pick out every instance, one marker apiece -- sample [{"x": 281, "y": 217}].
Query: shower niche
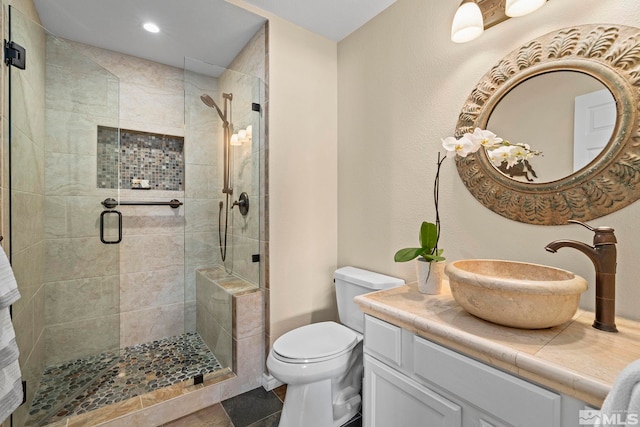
[{"x": 135, "y": 160}]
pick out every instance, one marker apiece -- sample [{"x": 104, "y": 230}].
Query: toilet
[{"x": 321, "y": 363}]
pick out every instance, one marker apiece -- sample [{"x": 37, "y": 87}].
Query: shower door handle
[{"x": 102, "y": 215}]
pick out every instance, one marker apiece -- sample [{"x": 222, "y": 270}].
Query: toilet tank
[{"x": 352, "y": 281}]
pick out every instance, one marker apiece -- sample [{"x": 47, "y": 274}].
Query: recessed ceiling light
[{"x": 151, "y": 27}]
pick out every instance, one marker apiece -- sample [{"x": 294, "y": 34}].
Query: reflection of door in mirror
[
  {"x": 595, "y": 117},
  {"x": 540, "y": 112}
]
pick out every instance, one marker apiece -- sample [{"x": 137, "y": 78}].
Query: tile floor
[{"x": 255, "y": 408}]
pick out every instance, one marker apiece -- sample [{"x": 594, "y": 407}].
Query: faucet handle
[
  {"x": 585, "y": 225},
  {"x": 604, "y": 234}
]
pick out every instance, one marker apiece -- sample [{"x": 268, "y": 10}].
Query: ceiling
[
  {"x": 333, "y": 19},
  {"x": 211, "y": 31}
]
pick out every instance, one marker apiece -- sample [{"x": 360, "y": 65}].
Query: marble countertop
[{"x": 572, "y": 358}]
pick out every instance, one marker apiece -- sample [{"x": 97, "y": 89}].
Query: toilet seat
[{"x": 315, "y": 343}]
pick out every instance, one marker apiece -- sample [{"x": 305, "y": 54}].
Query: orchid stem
[{"x": 436, "y": 195}]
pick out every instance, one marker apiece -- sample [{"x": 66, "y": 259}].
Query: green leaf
[
  {"x": 431, "y": 258},
  {"x": 407, "y": 254},
  {"x": 428, "y": 236}
]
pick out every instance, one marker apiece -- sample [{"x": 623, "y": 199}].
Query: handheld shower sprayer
[
  {"x": 209, "y": 102},
  {"x": 225, "y": 116}
]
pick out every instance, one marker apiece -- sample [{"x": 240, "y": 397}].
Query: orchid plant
[
  {"x": 429, "y": 232},
  {"x": 498, "y": 150}
]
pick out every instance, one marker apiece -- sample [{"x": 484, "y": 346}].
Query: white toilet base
[{"x": 318, "y": 409}]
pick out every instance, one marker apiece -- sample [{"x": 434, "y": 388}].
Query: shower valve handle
[{"x": 242, "y": 203}]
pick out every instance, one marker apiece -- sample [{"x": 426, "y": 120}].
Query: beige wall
[
  {"x": 302, "y": 183},
  {"x": 402, "y": 83},
  {"x": 302, "y": 177}
]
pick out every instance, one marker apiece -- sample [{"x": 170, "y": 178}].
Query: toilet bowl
[{"x": 321, "y": 363}]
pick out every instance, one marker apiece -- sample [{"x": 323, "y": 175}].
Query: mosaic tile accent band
[
  {"x": 139, "y": 156},
  {"x": 83, "y": 385}
]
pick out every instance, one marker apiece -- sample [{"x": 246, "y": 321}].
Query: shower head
[{"x": 209, "y": 102}]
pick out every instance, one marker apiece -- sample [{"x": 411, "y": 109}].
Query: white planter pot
[{"x": 430, "y": 276}]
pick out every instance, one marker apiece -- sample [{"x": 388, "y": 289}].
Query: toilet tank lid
[{"x": 367, "y": 279}]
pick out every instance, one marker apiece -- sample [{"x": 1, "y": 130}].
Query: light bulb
[
  {"x": 515, "y": 8},
  {"x": 234, "y": 139},
  {"x": 467, "y": 23},
  {"x": 242, "y": 136},
  {"x": 151, "y": 27},
  {"x": 250, "y": 132}
]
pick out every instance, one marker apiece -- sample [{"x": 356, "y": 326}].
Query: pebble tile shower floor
[{"x": 83, "y": 385}]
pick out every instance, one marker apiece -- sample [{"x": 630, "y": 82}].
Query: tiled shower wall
[
  {"x": 159, "y": 242},
  {"x": 150, "y": 261},
  {"x": 203, "y": 189},
  {"x": 247, "y": 158},
  {"x": 28, "y": 194},
  {"x": 81, "y": 274}
]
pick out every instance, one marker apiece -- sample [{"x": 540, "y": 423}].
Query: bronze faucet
[{"x": 603, "y": 256}]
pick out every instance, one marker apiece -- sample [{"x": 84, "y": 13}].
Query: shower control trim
[{"x": 242, "y": 203}]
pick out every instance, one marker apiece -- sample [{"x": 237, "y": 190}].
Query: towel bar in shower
[{"x": 111, "y": 203}]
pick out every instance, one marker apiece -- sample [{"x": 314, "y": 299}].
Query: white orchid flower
[
  {"x": 485, "y": 138},
  {"x": 519, "y": 152},
  {"x": 460, "y": 147},
  {"x": 498, "y": 150},
  {"x": 503, "y": 154}
]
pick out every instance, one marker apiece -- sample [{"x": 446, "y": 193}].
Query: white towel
[
  {"x": 10, "y": 390},
  {"x": 624, "y": 398},
  {"x": 10, "y": 378},
  {"x": 8, "y": 286}
]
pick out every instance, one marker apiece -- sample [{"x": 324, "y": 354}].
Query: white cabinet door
[
  {"x": 393, "y": 399},
  {"x": 508, "y": 398}
]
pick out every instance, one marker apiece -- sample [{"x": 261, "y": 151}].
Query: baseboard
[{"x": 269, "y": 382}]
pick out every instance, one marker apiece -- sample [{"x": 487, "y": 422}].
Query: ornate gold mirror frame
[{"x": 608, "y": 53}]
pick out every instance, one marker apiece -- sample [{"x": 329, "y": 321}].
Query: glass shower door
[
  {"x": 223, "y": 205},
  {"x": 67, "y": 321}
]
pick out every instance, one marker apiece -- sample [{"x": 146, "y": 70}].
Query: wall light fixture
[
  {"x": 243, "y": 135},
  {"x": 467, "y": 22},
  {"x": 474, "y": 16},
  {"x": 514, "y": 8}
]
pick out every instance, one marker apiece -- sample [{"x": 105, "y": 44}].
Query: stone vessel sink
[{"x": 516, "y": 294}]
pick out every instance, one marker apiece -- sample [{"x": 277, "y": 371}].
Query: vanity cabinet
[{"x": 411, "y": 381}]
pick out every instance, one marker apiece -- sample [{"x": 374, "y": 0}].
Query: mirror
[
  {"x": 600, "y": 61},
  {"x": 571, "y": 127}
]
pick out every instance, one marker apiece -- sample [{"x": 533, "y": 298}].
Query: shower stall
[{"x": 136, "y": 216}]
